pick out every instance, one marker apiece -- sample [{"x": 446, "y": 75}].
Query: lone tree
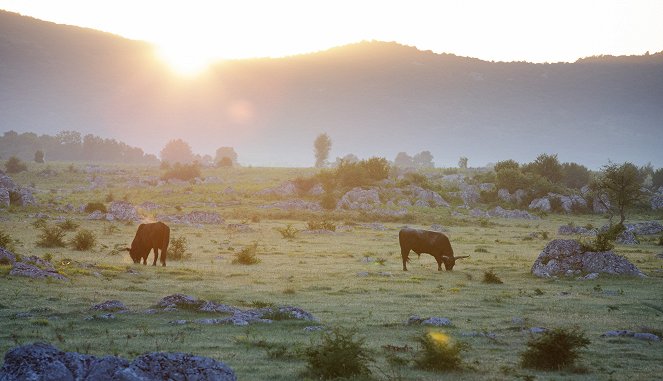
[
  {"x": 462, "y": 162},
  {"x": 322, "y": 145},
  {"x": 39, "y": 156},
  {"x": 619, "y": 188},
  {"x": 225, "y": 157},
  {"x": 177, "y": 151}
]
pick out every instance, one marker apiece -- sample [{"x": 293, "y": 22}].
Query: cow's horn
[{"x": 464, "y": 256}]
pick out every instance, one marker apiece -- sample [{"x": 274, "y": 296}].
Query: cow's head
[
  {"x": 450, "y": 262},
  {"x": 133, "y": 253}
]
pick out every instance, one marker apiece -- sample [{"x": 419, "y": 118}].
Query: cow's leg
[
  {"x": 156, "y": 255},
  {"x": 163, "y": 258},
  {"x": 145, "y": 259},
  {"x": 404, "y": 254}
]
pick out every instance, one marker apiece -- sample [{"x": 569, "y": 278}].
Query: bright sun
[{"x": 188, "y": 61}]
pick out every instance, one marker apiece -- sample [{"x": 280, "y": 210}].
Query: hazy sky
[{"x": 191, "y": 33}]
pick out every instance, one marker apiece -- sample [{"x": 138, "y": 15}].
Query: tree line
[{"x": 71, "y": 146}]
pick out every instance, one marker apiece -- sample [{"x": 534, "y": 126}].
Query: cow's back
[
  {"x": 152, "y": 235},
  {"x": 424, "y": 241}
]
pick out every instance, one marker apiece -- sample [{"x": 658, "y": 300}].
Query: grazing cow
[
  {"x": 154, "y": 236},
  {"x": 424, "y": 241}
]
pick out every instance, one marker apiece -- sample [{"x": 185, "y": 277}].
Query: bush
[
  {"x": 288, "y": 232},
  {"x": 83, "y": 240},
  {"x": 490, "y": 277},
  {"x": 338, "y": 355},
  {"x": 554, "y": 350},
  {"x": 321, "y": 225},
  {"x": 556, "y": 205},
  {"x": 604, "y": 240},
  {"x": 247, "y": 256},
  {"x": 68, "y": 225},
  {"x": 39, "y": 156},
  {"x": 304, "y": 184},
  {"x": 6, "y": 241},
  {"x": 328, "y": 201},
  {"x": 51, "y": 236},
  {"x": 660, "y": 240},
  {"x": 438, "y": 352},
  {"x": 177, "y": 250},
  {"x": 92, "y": 206},
  {"x": 15, "y": 165},
  {"x": 182, "y": 172}
]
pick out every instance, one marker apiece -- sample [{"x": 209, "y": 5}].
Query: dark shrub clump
[
  {"x": 247, "y": 256},
  {"x": 491, "y": 278},
  {"x": 93, "y": 206},
  {"x": 83, "y": 240},
  {"x": 555, "y": 349},
  {"x": 177, "y": 250},
  {"x": 338, "y": 355},
  {"x": 438, "y": 352},
  {"x": 51, "y": 236}
]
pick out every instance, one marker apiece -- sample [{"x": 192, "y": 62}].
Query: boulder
[
  {"x": 563, "y": 257},
  {"x": 507, "y": 213},
  {"x": 123, "y": 211},
  {"x": 286, "y": 189},
  {"x": 110, "y": 306},
  {"x": 570, "y": 230},
  {"x": 504, "y": 195},
  {"x": 41, "y": 361},
  {"x": 358, "y": 198},
  {"x": 542, "y": 204},
  {"x": 31, "y": 271},
  {"x": 193, "y": 218}
]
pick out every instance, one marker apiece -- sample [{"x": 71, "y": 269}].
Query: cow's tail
[{"x": 164, "y": 245}]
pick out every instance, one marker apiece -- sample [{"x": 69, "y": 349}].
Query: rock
[
  {"x": 7, "y": 257},
  {"x": 110, "y": 306},
  {"x": 375, "y": 226},
  {"x": 590, "y": 276},
  {"x": 570, "y": 230},
  {"x": 537, "y": 330},
  {"x": 656, "y": 200},
  {"x": 516, "y": 320},
  {"x": 359, "y": 199},
  {"x": 425, "y": 197},
  {"x": 542, "y": 204},
  {"x": 469, "y": 194},
  {"x": 565, "y": 257},
  {"x": 96, "y": 215},
  {"x": 31, "y": 271},
  {"x": 645, "y": 228},
  {"x": 515, "y": 213},
  {"x": 618, "y": 333},
  {"x": 438, "y": 228},
  {"x": 627, "y": 238},
  {"x": 432, "y": 321},
  {"x": 4, "y": 198},
  {"x": 504, "y": 195},
  {"x": 314, "y": 328},
  {"x": 6, "y": 182},
  {"x": 598, "y": 204},
  {"x": 40, "y": 361},
  {"x": 123, "y": 211},
  {"x": 646, "y": 336},
  {"x": 180, "y": 301},
  {"x": 193, "y": 218},
  {"x": 286, "y": 189},
  {"x": 573, "y": 202},
  {"x": 240, "y": 228}
]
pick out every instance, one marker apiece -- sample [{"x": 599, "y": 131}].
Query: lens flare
[{"x": 439, "y": 337}]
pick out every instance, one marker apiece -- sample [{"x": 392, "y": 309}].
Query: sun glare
[{"x": 186, "y": 61}]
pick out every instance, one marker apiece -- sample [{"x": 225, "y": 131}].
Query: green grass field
[{"x": 324, "y": 274}]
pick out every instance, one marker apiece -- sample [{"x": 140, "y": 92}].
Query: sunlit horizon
[{"x": 191, "y": 36}]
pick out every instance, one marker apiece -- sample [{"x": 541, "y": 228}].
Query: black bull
[
  {"x": 424, "y": 241},
  {"x": 154, "y": 236}
]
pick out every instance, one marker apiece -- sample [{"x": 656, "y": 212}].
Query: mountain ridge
[{"x": 373, "y": 98}]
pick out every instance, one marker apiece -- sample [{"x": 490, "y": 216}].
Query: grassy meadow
[{"x": 350, "y": 278}]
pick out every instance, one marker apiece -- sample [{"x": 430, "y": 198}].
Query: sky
[{"x": 191, "y": 34}]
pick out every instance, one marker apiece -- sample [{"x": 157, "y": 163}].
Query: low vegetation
[
  {"x": 84, "y": 240},
  {"x": 178, "y": 249},
  {"x": 340, "y": 354},
  {"x": 555, "y": 349},
  {"x": 247, "y": 256},
  {"x": 51, "y": 236},
  {"x": 439, "y": 352}
]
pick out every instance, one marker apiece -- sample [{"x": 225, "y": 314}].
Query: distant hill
[{"x": 372, "y": 98}]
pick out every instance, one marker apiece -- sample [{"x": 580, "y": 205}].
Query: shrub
[
  {"x": 338, "y": 355},
  {"x": 438, "y": 352},
  {"x": 660, "y": 240},
  {"x": 490, "y": 277},
  {"x": 68, "y": 225},
  {"x": 51, "y": 236},
  {"x": 182, "y": 172},
  {"x": 288, "y": 232},
  {"x": 328, "y": 201},
  {"x": 177, "y": 251},
  {"x": 247, "y": 256},
  {"x": 15, "y": 165},
  {"x": 39, "y": 156},
  {"x": 556, "y": 205},
  {"x": 6, "y": 241},
  {"x": 555, "y": 349},
  {"x": 83, "y": 240},
  {"x": 39, "y": 223},
  {"x": 304, "y": 184},
  {"x": 321, "y": 225},
  {"x": 92, "y": 206},
  {"x": 604, "y": 240}
]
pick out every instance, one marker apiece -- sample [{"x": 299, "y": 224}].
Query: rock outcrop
[
  {"x": 41, "y": 361},
  {"x": 563, "y": 257}
]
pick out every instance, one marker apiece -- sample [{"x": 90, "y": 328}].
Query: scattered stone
[
  {"x": 363, "y": 274},
  {"x": 636, "y": 335},
  {"x": 180, "y": 301},
  {"x": 110, "y": 306},
  {"x": 627, "y": 238},
  {"x": 490, "y": 335},
  {"x": 571, "y": 230},
  {"x": 542, "y": 204},
  {"x": 240, "y": 228},
  {"x": 618, "y": 333},
  {"x": 96, "y": 215},
  {"x": 590, "y": 276},
  {"x": 4, "y": 198},
  {"x": 517, "y": 320},
  {"x": 286, "y": 189},
  {"x": 193, "y": 218},
  {"x": 438, "y": 228},
  {"x": 565, "y": 257},
  {"x": 178, "y": 322},
  {"x": 645, "y": 228},
  {"x": 506, "y": 213},
  {"x": 41, "y": 361},
  {"x": 535, "y": 330},
  {"x": 314, "y": 328},
  {"x": 375, "y": 226},
  {"x": 295, "y": 204}
]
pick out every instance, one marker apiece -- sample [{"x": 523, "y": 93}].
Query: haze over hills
[{"x": 372, "y": 98}]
